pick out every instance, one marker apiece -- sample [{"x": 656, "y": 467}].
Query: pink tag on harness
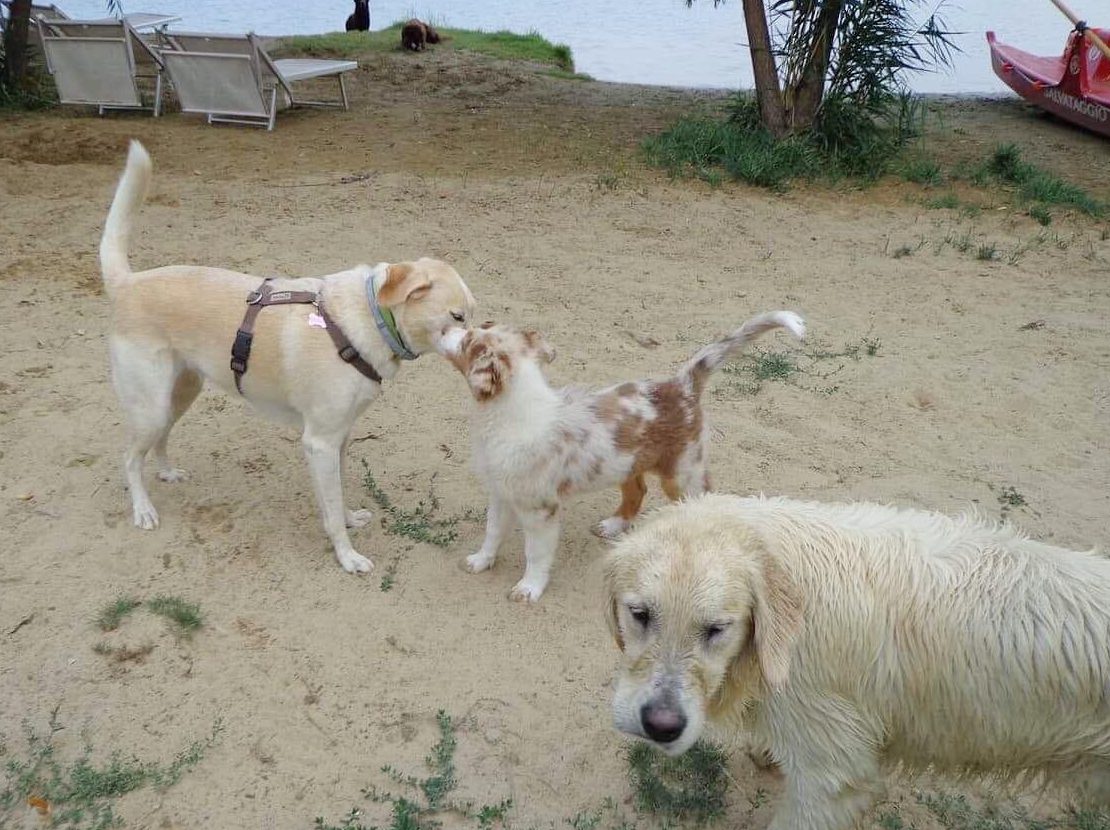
[{"x": 316, "y": 321}]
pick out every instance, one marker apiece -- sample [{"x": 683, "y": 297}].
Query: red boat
[{"x": 1075, "y": 86}]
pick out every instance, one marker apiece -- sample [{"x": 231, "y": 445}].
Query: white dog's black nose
[{"x": 662, "y": 723}]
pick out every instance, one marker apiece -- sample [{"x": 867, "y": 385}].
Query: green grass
[
  {"x": 956, "y": 812},
  {"x": 531, "y": 47},
  {"x": 987, "y": 252},
  {"x": 420, "y": 524},
  {"x": 81, "y": 794},
  {"x": 1006, "y": 166},
  {"x": 112, "y": 615},
  {"x": 1041, "y": 213},
  {"x": 921, "y": 171},
  {"x": 425, "y": 799},
  {"x": 689, "y": 788},
  {"x": 185, "y": 614},
  {"x": 948, "y": 201}
]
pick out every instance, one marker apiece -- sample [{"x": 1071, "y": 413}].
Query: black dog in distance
[{"x": 360, "y": 20}]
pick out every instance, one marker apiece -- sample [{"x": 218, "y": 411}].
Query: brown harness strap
[{"x": 264, "y": 296}]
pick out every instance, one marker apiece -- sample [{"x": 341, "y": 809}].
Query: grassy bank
[{"x": 531, "y": 47}]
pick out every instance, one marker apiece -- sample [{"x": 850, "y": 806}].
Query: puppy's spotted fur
[{"x": 534, "y": 446}]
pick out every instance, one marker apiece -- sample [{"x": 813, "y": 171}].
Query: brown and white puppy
[
  {"x": 416, "y": 33},
  {"x": 534, "y": 446},
  {"x": 173, "y": 328},
  {"x": 852, "y": 639}
]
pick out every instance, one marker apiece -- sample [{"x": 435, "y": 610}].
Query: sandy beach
[{"x": 932, "y": 377}]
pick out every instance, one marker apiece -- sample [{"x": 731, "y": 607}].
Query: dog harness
[{"x": 264, "y": 296}]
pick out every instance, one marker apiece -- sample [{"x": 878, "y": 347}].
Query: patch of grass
[
  {"x": 112, "y": 614},
  {"x": 419, "y": 524},
  {"x": 774, "y": 366},
  {"x": 748, "y": 374},
  {"x": 987, "y": 252},
  {"x": 531, "y": 47},
  {"x": 948, "y": 201},
  {"x": 690, "y": 787},
  {"x": 1033, "y": 184},
  {"x": 80, "y": 795},
  {"x": 1009, "y": 498},
  {"x": 921, "y": 171},
  {"x": 1041, "y": 214},
  {"x": 389, "y": 578},
  {"x": 957, "y": 812},
  {"x": 902, "y": 251},
  {"x": 428, "y": 796},
  {"x": 185, "y": 614}
]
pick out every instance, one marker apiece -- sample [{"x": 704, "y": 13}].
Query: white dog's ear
[
  {"x": 614, "y": 622},
  {"x": 777, "y": 619},
  {"x": 544, "y": 350},
  {"x": 403, "y": 283},
  {"x": 486, "y": 371}
]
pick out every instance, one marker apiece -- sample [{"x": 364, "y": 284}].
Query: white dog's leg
[
  {"x": 323, "y": 455},
  {"x": 831, "y": 766},
  {"x": 499, "y": 521},
  {"x": 353, "y": 518},
  {"x": 541, "y": 538},
  {"x": 144, "y": 377},
  {"x": 185, "y": 391}
]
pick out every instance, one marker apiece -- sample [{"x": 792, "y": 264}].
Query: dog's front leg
[
  {"x": 361, "y": 516},
  {"x": 499, "y": 521},
  {"x": 323, "y": 453},
  {"x": 541, "y": 538}
]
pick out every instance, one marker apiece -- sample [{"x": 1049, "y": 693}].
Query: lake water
[{"x": 635, "y": 41}]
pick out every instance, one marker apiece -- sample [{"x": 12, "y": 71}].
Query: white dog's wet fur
[
  {"x": 535, "y": 446},
  {"x": 846, "y": 638},
  {"x": 172, "y": 329}
]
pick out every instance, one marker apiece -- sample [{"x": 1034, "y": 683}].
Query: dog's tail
[
  {"x": 129, "y": 196},
  {"x": 709, "y": 358}
]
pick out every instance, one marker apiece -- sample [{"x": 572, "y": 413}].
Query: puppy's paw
[
  {"x": 611, "y": 528},
  {"x": 478, "y": 562},
  {"x": 146, "y": 517},
  {"x": 172, "y": 475},
  {"x": 359, "y": 518},
  {"x": 525, "y": 591},
  {"x": 354, "y": 563}
]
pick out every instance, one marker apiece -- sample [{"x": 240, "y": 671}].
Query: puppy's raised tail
[
  {"x": 709, "y": 358},
  {"x": 130, "y": 194}
]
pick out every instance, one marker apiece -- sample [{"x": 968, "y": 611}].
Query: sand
[{"x": 987, "y": 389}]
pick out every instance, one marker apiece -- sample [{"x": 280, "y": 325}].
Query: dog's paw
[
  {"x": 525, "y": 591},
  {"x": 172, "y": 475},
  {"x": 146, "y": 517},
  {"x": 611, "y": 528},
  {"x": 359, "y": 518},
  {"x": 354, "y": 563},
  {"x": 478, "y": 562}
]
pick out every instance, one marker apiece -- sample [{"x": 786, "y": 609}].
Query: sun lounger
[
  {"x": 100, "y": 63},
  {"x": 231, "y": 78}
]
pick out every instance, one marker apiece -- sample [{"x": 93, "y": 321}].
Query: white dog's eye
[
  {"x": 712, "y": 633},
  {"x": 641, "y": 616},
  {"x": 458, "y": 316}
]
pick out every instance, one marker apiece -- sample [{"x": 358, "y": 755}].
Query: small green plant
[
  {"x": 185, "y": 614},
  {"x": 902, "y": 251},
  {"x": 690, "y": 787},
  {"x": 419, "y": 524},
  {"x": 949, "y": 201},
  {"x": 1033, "y": 184},
  {"x": 428, "y": 796},
  {"x": 1009, "y": 498},
  {"x": 112, "y": 614},
  {"x": 987, "y": 253},
  {"x": 1042, "y": 214},
  {"x": 389, "y": 578},
  {"x": 922, "y": 171},
  {"x": 81, "y": 795}
]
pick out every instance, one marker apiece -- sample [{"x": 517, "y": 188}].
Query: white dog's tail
[
  {"x": 710, "y": 358},
  {"x": 130, "y": 194}
]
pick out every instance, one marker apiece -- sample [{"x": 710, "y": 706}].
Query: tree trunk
[
  {"x": 15, "y": 44},
  {"x": 767, "y": 89},
  {"x": 806, "y": 97}
]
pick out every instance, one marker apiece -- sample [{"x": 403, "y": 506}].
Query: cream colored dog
[
  {"x": 846, "y": 637},
  {"x": 173, "y": 328},
  {"x": 535, "y": 446}
]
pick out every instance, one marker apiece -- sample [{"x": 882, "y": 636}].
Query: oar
[{"x": 1091, "y": 36}]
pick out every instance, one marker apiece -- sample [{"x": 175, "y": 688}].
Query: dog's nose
[{"x": 662, "y": 723}]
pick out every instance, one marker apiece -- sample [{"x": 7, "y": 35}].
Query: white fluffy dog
[
  {"x": 846, "y": 637},
  {"x": 535, "y": 446}
]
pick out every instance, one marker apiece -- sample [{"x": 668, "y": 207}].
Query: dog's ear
[
  {"x": 486, "y": 370},
  {"x": 777, "y": 620},
  {"x": 614, "y": 622},
  {"x": 403, "y": 283},
  {"x": 536, "y": 342}
]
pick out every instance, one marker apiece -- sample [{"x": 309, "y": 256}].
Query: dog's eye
[
  {"x": 713, "y": 632},
  {"x": 641, "y": 616},
  {"x": 458, "y": 316}
]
